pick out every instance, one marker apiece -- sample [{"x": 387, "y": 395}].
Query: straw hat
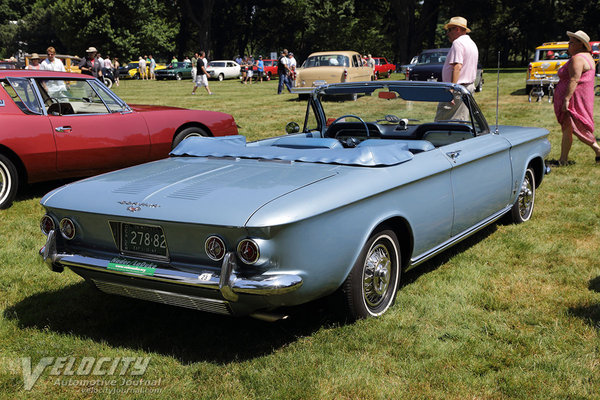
[
  {"x": 457, "y": 21},
  {"x": 34, "y": 56},
  {"x": 91, "y": 50},
  {"x": 582, "y": 37}
]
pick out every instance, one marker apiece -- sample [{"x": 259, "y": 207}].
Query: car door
[
  {"x": 93, "y": 130},
  {"x": 481, "y": 179}
]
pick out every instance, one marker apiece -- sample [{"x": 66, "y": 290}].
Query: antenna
[{"x": 497, "y": 92}]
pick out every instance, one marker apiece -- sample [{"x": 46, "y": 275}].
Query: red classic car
[
  {"x": 383, "y": 67},
  {"x": 270, "y": 67},
  {"x": 59, "y": 125}
]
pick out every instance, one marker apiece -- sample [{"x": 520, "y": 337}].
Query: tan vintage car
[{"x": 327, "y": 67}]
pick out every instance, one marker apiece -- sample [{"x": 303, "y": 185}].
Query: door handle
[
  {"x": 63, "y": 129},
  {"x": 453, "y": 155}
]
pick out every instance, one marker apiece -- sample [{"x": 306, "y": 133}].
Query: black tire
[
  {"x": 136, "y": 76},
  {"x": 370, "y": 288},
  {"x": 178, "y": 76},
  {"x": 9, "y": 182},
  {"x": 303, "y": 96},
  {"x": 188, "y": 132},
  {"x": 389, "y": 73},
  {"x": 522, "y": 209},
  {"x": 528, "y": 88},
  {"x": 221, "y": 77}
]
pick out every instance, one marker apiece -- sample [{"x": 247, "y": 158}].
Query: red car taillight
[
  {"x": 248, "y": 251},
  {"x": 67, "y": 228},
  {"x": 345, "y": 75},
  {"x": 47, "y": 224}
]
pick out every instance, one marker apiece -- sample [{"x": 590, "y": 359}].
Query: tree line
[{"x": 396, "y": 29}]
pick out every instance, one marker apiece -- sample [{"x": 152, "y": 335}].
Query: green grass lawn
[{"x": 512, "y": 312}]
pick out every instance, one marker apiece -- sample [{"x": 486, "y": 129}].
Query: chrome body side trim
[{"x": 461, "y": 236}]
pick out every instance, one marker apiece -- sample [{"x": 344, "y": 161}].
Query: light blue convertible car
[{"x": 345, "y": 204}]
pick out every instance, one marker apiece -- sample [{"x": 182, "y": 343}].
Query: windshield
[
  {"x": 395, "y": 109},
  {"x": 327, "y": 60},
  {"x": 437, "y": 57}
]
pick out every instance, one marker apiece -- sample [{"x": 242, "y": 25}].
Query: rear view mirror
[{"x": 292, "y": 127}]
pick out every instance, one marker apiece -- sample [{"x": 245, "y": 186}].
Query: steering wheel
[{"x": 353, "y": 116}]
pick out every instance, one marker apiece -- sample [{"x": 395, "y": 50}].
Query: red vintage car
[
  {"x": 61, "y": 125},
  {"x": 383, "y": 67},
  {"x": 270, "y": 69}
]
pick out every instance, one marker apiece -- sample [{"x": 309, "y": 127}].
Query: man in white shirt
[
  {"x": 460, "y": 67},
  {"x": 51, "y": 63}
]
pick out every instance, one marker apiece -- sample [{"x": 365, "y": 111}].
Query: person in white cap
[
  {"x": 574, "y": 97},
  {"x": 90, "y": 64},
  {"x": 460, "y": 67}
]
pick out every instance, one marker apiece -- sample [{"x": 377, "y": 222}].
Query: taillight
[
  {"x": 67, "y": 228},
  {"x": 345, "y": 75},
  {"x": 47, "y": 224},
  {"x": 248, "y": 251},
  {"x": 214, "y": 248}
]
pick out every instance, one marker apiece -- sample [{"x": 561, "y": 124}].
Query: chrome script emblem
[{"x": 135, "y": 206}]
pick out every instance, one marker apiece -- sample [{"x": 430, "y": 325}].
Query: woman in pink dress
[{"x": 574, "y": 96}]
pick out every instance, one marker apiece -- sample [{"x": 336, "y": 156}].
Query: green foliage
[{"x": 396, "y": 29}]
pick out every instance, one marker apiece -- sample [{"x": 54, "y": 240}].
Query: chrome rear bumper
[{"x": 227, "y": 282}]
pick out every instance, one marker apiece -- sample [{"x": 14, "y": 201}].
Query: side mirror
[{"x": 292, "y": 127}]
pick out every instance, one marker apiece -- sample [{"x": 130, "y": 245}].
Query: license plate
[{"x": 143, "y": 240}]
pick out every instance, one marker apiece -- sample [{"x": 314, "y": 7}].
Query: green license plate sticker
[{"x": 132, "y": 267}]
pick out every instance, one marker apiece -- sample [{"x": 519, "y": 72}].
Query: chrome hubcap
[
  {"x": 376, "y": 276},
  {"x": 526, "y": 197}
]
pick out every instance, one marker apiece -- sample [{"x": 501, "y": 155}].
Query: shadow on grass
[
  {"x": 187, "y": 335},
  {"x": 35, "y": 190},
  {"x": 519, "y": 92},
  {"x": 589, "y": 313},
  {"x": 594, "y": 284}
]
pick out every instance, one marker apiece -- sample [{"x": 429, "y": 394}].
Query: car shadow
[
  {"x": 35, "y": 190},
  {"x": 590, "y": 314},
  {"x": 434, "y": 263},
  {"x": 187, "y": 335},
  {"x": 519, "y": 92}
]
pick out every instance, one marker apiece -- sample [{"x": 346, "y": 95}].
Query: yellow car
[
  {"x": 548, "y": 58},
  {"x": 135, "y": 74},
  {"x": 330, "y": 67},
  {"x": 130, "y": 70}
]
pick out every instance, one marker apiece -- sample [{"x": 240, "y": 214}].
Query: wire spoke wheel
[
  {"x": 376, "y": 276},
  {"x": 370, "y": 288}
]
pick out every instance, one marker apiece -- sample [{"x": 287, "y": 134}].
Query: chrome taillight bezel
[
  {"x": 62, "y": 228},
  {"x": 209, "y": 247},
  {"x": 46, "y": 217},
  {"x": 242, "y": 251}
]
